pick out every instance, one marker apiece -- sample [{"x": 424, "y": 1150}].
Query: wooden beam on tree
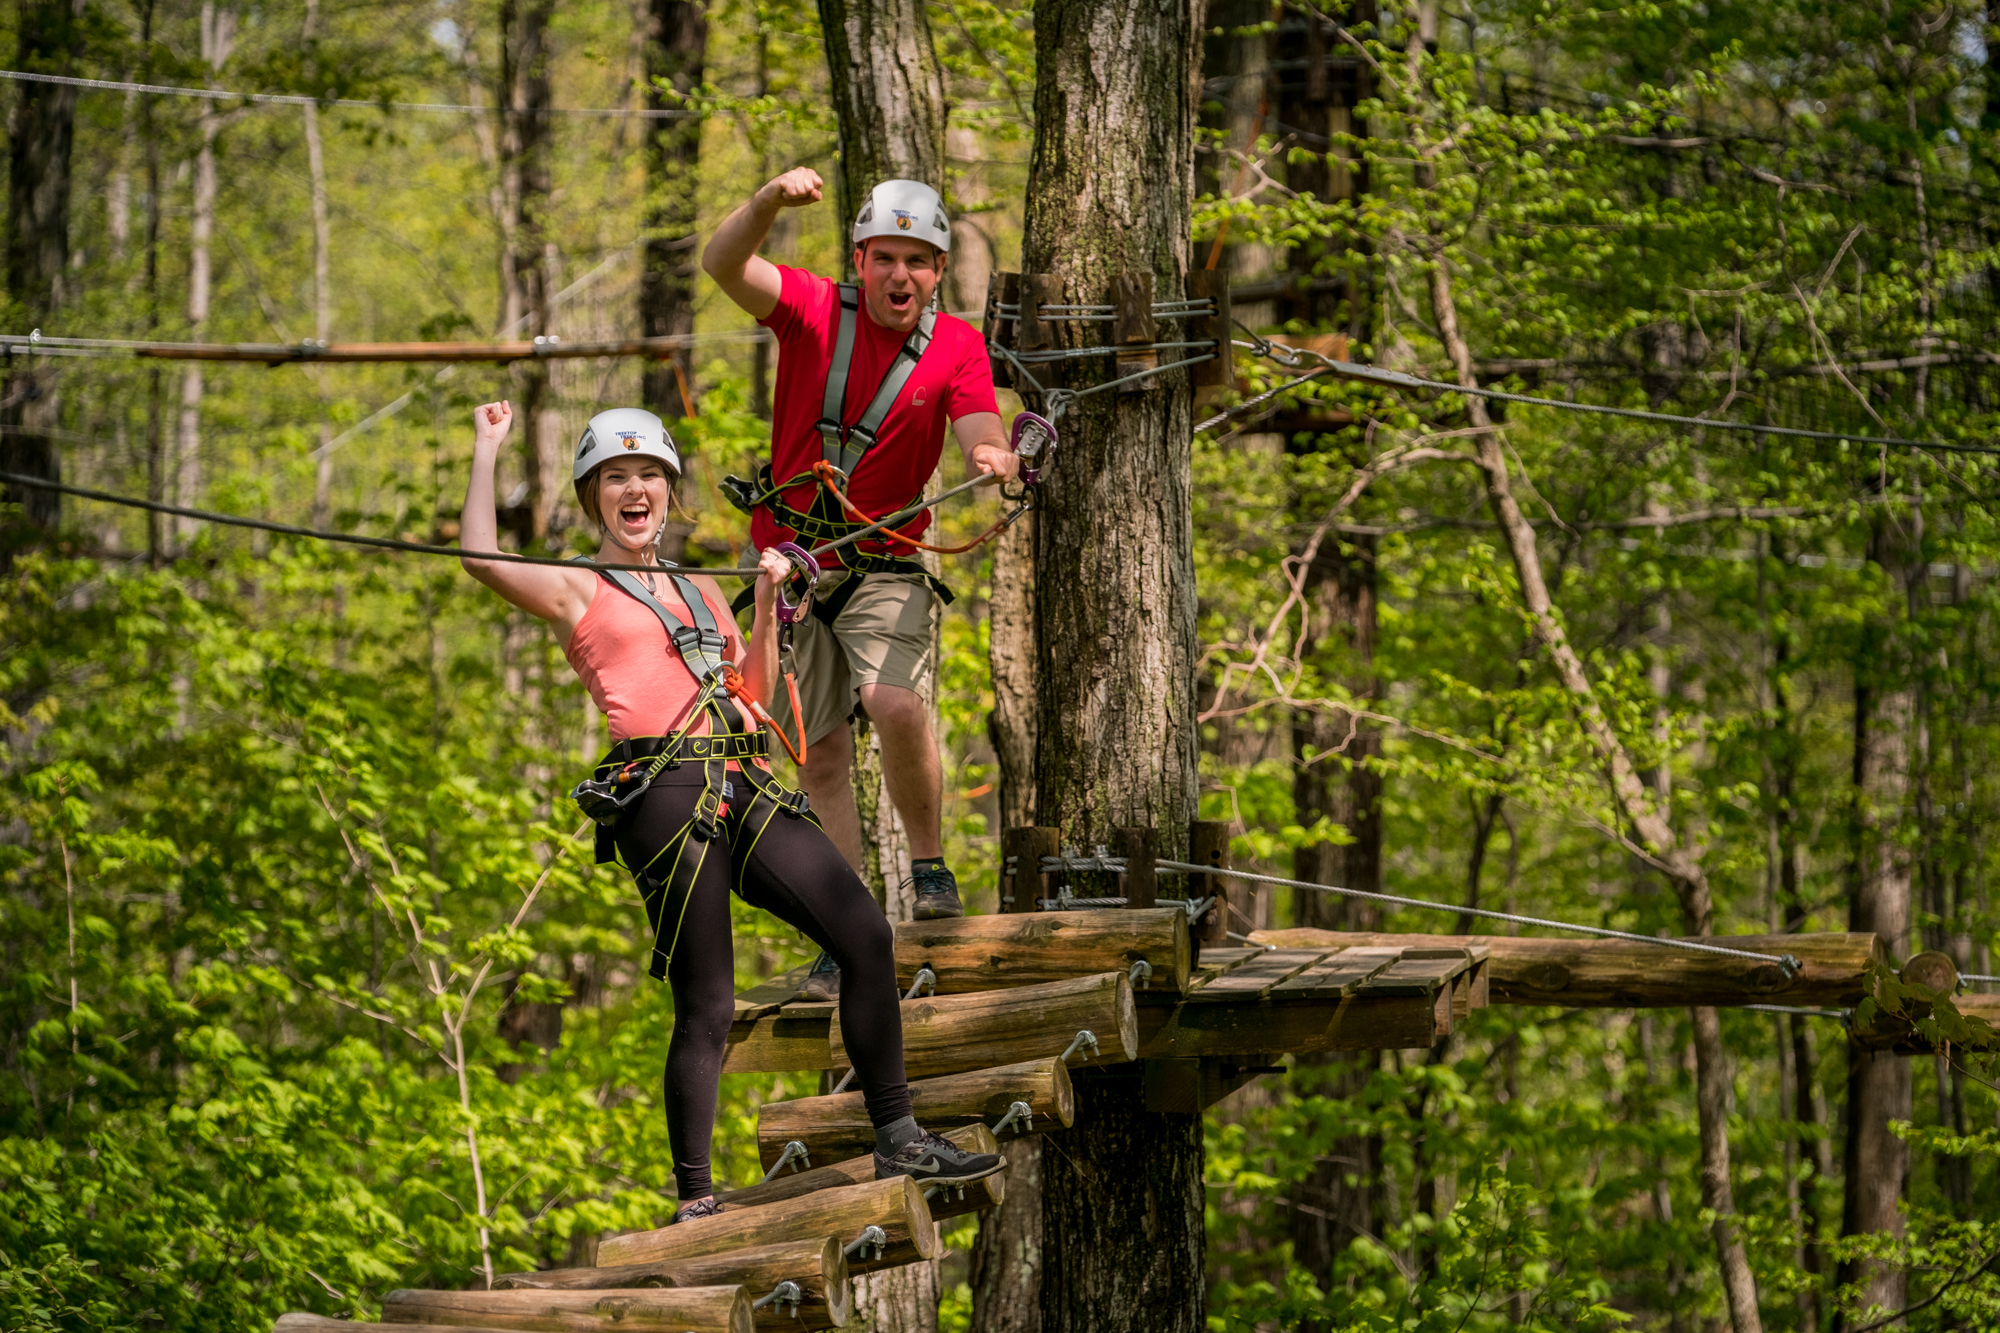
[
  {"x": 1022, "y": 884},
  {"x": 976, "y": 953},
  {"x": 1301, "y": 1027},
  {"x": 1141, "y": 848},
  {"x": 1208, "y": 845},
  {"x": 857, "y": 1170},
  {"x": 818, "y": 1267},
  {"x": 837, "y": 1125},
  {"x": 1623, "y": 974},
  {"x": 653, "y": 1309},
  {"x": 777, "y": 1043},
  {"x": 895, "y": 1205},
  {"x": 947, "y": 1034}
]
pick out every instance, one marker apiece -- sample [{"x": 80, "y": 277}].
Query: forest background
[{"x": 310, "y": 989}]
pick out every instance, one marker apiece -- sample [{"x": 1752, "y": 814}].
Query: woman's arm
[
  {"x": 559, "y": 596},
  {"x": 757, "y": 658}
]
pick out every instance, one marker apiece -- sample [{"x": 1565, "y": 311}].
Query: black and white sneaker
[
  {"x": 929, "y": 1159},
  {"x": 937, "y": 894},
  {"x": 822, "y": 984},
  {"x": 694, "y": 1212}
]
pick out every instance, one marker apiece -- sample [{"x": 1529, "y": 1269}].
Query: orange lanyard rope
[{"x": 826, "y": 472}]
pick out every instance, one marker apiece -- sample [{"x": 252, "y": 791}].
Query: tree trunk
[
  {"x": 1876, "y": 1163},
  {"x": 676, "y": 50},
  {"x": 322, "y": 289},
  {"x": 1007, "y": 1253},
  {"x": 1110, "y": 193},
  {"x": 1341, "y": 786},
  {"x": 40, "y": 134},
  {"x": 527, "y": 249},
  {"x": 218, "y": 40},
  {"x": 888, "y": 94}
]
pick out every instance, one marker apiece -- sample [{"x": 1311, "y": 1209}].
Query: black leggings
[{"x": 797, "y": 875}]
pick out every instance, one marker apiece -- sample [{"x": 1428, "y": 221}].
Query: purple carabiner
[
  {"x": 1034, "y": 440},
  {"x": 802, "y": 560}
]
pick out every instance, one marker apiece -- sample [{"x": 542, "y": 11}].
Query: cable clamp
[
  {"x": 785, "y": 1293},
  {"x": 871, "y": 1238},
  {"x": 1020, "y": 1111},
  {"x": 1791, "y": 964},
  {"x": 925, "y": 978},
  {"x": 545, "y": 343},
  {"x": 1084, "y": 1038},
  {"x": 794, "y": 1150},
  {"x": 1142, "y": 972}
]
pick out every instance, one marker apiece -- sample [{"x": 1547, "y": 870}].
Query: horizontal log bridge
[
  {"x": 948, "y": 1034},
  {"x": 669, "y": 1310},
  {"x": 838, "y": 1126},
  {"x": 818, "y": 1267},
  {"x": 896, "y": 1206},
  {"x": 1622, "y": 974},
  {"x": 757, "y": 1269},
  {"x": 977, "y": 953},
  {"x": 977, "y": 1197}
]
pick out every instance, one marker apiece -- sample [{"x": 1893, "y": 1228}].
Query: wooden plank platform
[{"x": 1240, "y": 1002}]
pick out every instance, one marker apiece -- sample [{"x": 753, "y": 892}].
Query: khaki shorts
[{"x": 883, "y": 637}]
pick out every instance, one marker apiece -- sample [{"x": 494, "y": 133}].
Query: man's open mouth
[{"x": 901, "y": 300}]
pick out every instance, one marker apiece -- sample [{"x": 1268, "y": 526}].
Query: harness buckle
[
  {"x": 830, "y": 430},
  {"x": 795, "y": 804}
]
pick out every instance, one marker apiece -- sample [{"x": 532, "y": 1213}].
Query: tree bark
[
  {"x": 1876, "y": 1163},
  {"x": 676, "y": 53},
  {"x": 527, "y": 252},
  {"x": 888, "y": 94},
  {"x": 1110, "y": 193},
  {"x": 41, "y": 133}
]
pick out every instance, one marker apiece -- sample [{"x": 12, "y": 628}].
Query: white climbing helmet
[
  {"x": 904, "y": 208},
  {"x": 625, "y": 432}
]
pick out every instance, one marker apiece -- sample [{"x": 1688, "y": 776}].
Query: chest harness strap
[
  {"x": 622, "y": 777},
  {"x": 844, "y": 447}
]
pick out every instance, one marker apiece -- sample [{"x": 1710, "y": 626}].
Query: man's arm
[
  {"x": 731, "y": 255},
  {"x": 985, "y": 445}
]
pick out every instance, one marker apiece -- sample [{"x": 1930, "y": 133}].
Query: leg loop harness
[{"x": 629, "y": 769}]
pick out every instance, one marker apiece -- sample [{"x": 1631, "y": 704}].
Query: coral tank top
[{"x": 621, "y": 653}]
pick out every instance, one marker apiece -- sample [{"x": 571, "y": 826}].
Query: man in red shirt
[{"x": 908, "y": 371}]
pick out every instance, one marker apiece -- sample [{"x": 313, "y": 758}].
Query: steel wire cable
[
  {"x": 301, "y": 99},
  {"x": 1786, "y": 961},
  {"x": 428, "y": 548},
  {"x": 1397, "y": 379}
]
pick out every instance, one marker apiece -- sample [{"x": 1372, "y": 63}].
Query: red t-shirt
[{"x": 952, "y": 380}]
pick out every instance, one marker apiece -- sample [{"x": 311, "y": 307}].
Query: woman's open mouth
[{"x": 635, "y": 516}]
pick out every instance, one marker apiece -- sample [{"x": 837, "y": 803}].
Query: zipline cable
[
  {"x": 1396, "y": 379},
  {"x": 1790, "y": 964},
  {"x": 300, "y": 99},
  {"x": 459, "y": 552}
]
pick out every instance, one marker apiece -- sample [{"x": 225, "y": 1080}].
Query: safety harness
[
  {"x": 842, "y": 449},
  {"x": 625, "y": 773}
]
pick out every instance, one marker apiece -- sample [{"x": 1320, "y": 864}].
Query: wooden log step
[
  {"x": 896, "y": 1206},
  {"x": 949, "y": 1034},
  {"x": 976, "y": 953},
  {"x": 1623, "y": 974},
  {"x": 768, "y": 996},
  {"x": 757, "y": 1269},
  {"x": 666, "y": 1310},
  {"x": 1255, "y": 976},
  {"x": 944, "y": 1204},
  {"x": 779, "y": 1043},
  {"x": 837, "y": 1126}
]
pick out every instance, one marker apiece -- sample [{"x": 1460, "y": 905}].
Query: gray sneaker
[
  {"x": 937, "y": 894},
  {"x": 929, "y": 1159},
  {"x": 694, "y": 1212},
  {"x": 822, "y": 984}
]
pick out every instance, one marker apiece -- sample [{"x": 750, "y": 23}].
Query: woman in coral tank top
[{"x": 661, "y": 655}]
